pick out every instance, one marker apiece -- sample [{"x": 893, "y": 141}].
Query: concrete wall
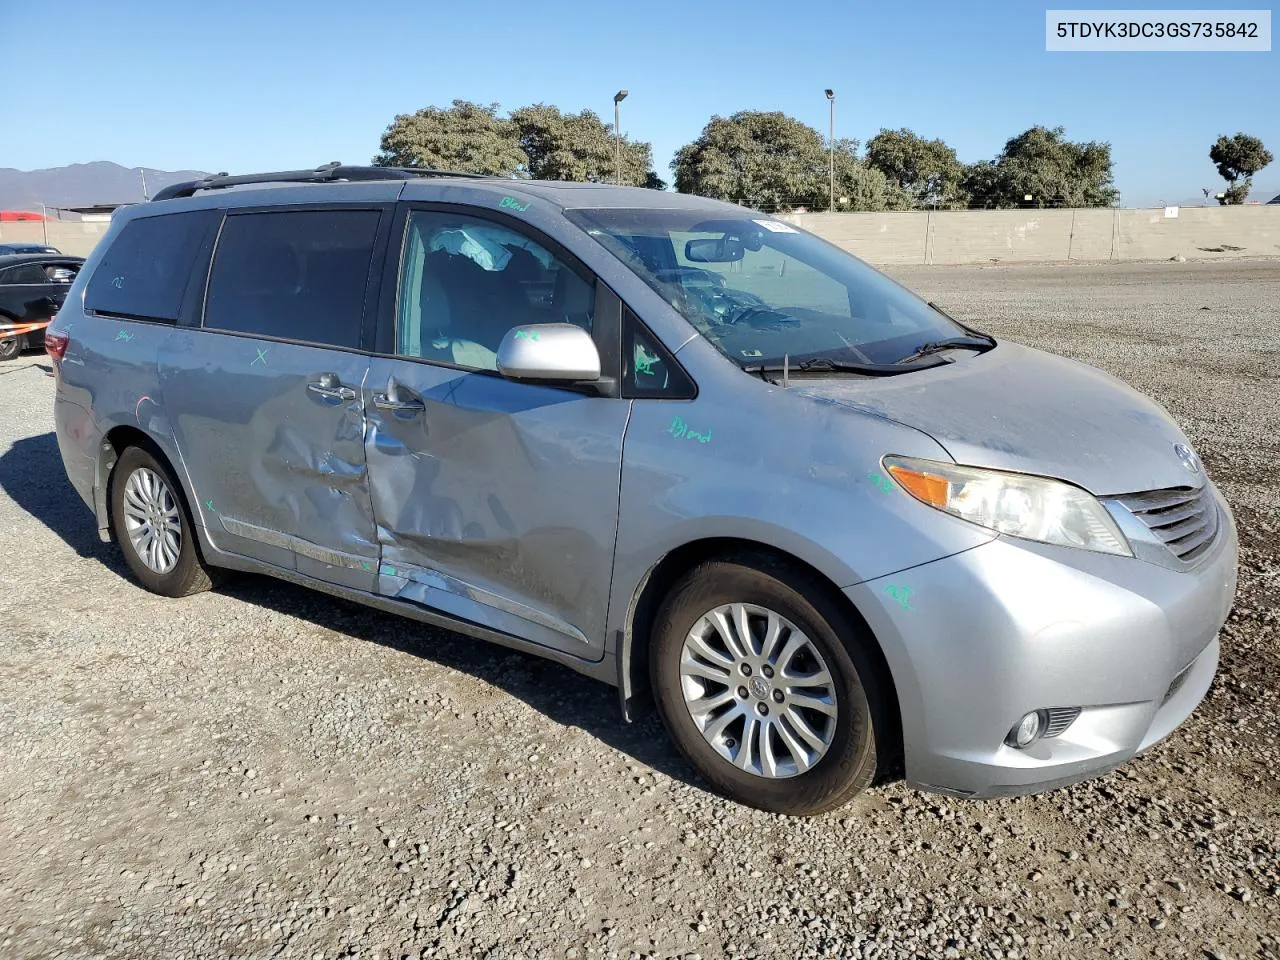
[
  {"x": 70, "y": 236},
  {"x": 1028, "y": 236},
  {"x": 963, "y": 236}
]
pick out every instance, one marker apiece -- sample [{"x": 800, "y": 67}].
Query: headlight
[{"x": 1035, "y": 508}]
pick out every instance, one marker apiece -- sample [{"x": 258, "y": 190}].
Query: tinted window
[
  {"x": 299, "y": 275},
  {"x": 23, "y": 273},
  {"x": 465, "y": 282},
  {"x": 145, "y": 271}
]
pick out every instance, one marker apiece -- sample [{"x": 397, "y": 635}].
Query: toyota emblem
[{"x": 1187, "y": 456}]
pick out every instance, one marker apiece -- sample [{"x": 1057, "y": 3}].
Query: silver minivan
[{"x": 677, "y": 445}]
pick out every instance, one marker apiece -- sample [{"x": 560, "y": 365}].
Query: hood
[{"x": 1015, "y": 408}]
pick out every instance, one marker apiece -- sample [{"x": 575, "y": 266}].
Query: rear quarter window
[{"x": 145, "y": 272}]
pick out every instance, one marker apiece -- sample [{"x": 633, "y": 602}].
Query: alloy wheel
[
  {"x": 758, "y": 690},
  {"x": 151, "y": 519}
]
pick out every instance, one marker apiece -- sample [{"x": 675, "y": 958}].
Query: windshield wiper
[
  {"x": 962, "y": 325},
  {"x": 828, "y": 365},
  {"x": 978, "y": 342}
]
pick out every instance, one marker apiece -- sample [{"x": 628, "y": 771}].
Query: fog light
[{"x": 1026, "y": 731}]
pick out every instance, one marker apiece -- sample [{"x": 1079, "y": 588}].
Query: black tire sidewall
[
  {"x": 849, "y": 763},
  {"x": 177, "y": 582},
  {"x": 11, "y": 348}
]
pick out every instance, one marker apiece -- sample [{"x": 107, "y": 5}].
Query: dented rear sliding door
[
  {"x": 278, "y": 468},
  {"x": 267, "y": 400}
]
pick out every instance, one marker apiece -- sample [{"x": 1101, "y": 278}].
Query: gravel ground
[{"x": 263, "y": 771}]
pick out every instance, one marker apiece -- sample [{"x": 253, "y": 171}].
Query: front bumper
[{"x": 978, "y": 639}]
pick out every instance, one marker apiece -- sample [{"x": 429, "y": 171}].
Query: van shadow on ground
[{"x": 31, "y": 474}]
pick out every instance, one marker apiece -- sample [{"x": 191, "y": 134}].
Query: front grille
[{"x": 1184, "y": 518}]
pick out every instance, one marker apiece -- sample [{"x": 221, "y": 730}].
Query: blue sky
[{"x": 244, "y": 86}]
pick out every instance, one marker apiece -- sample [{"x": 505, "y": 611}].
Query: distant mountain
[{"x": 82, "y": 184}]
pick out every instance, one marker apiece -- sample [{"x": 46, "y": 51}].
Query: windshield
[{"x": 759, "y": 289}]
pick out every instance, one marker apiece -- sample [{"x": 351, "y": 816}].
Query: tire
[
  {"x": 175, "y": 568},
  {"x": 781, "y": 779},
  {"x": 11, "y": 348}
]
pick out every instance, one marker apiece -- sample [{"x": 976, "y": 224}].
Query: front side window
[
  {"x": 145, "y": 271},
  {"x": 293, "y": 275},
  {"x": 465, "y": 282},
  {"x": 761, "y": 290}
]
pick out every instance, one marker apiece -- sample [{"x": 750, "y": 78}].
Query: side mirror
[
  {"x": 548, "y": 352},
  {"x": 710, "y": 250}
]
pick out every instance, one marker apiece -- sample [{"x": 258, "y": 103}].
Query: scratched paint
[
  {"x": 136, "y": 409},
  {"x": 526, "y": 334},
  {"x": 209, "y": 505},
  {"x": 125, "y": 335},
  {"x": 511, "y": 203},
  {"x": 681, "y": 431},
  {"x": 261, "y": 357},
  {"x": 900, "y": 594}
]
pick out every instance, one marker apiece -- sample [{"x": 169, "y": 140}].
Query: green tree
[
  {"x": 1238, "y": 159},
  {"x": 467, "y": 136},
  {"x": 577, "y": 146},
  {"x": 927, "y": 170},
  {"x": 771, "y": 161},
  {"x": 1043, "y": 164}
]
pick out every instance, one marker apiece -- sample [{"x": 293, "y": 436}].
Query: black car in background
[{"x": 32, "y": 288}]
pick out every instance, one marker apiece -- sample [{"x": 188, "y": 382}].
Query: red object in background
[{"x": 17, "y": 216}]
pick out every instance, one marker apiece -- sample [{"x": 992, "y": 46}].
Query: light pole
[
  {"x": 831, "y": 137},
  {"x": 617, "y": 137}
]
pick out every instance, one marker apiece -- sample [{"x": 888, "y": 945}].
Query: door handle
[
  {"x": 398, "y": 400},
  {"x": 331, "y": 388},
  {"x": 407, "y": 406}
]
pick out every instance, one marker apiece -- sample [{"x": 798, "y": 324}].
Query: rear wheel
[
  {"x": 153, "y": 526},
  {"x": 9, "y": 349},
  {"x": 761, "y": 682}
]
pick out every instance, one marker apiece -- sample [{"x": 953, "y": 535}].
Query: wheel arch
[
  {"x": 633, "y": 654},
  {"x": 114, "y": 442}
]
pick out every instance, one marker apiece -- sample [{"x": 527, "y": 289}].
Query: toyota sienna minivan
[{"x": 674, "y": 444}]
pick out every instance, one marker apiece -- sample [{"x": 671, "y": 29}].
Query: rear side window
[
  {"x": 22, "y": 274},
  {"x": 145, "y": 271},
  {"x": 296, "y": 275}
]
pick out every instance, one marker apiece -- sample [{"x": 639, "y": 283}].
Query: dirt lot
[{"x": 263, "y": 772}]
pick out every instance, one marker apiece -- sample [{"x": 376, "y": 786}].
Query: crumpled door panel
[{"x": 498, "y": 501}]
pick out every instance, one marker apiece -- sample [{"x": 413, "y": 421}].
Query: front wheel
[
  {"x": 10, "y": 348},
  {"x": 761, "y": 682}
]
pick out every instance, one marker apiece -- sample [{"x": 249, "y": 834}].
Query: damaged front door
[
  {"x": 267, "y": 402},
  {"x": 496, "y": 502}
]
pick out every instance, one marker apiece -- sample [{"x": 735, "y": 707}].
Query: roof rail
[{"x": 327, "y": 173}]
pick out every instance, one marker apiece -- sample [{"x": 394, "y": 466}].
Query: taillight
[{"x": 55, "y": 343}]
